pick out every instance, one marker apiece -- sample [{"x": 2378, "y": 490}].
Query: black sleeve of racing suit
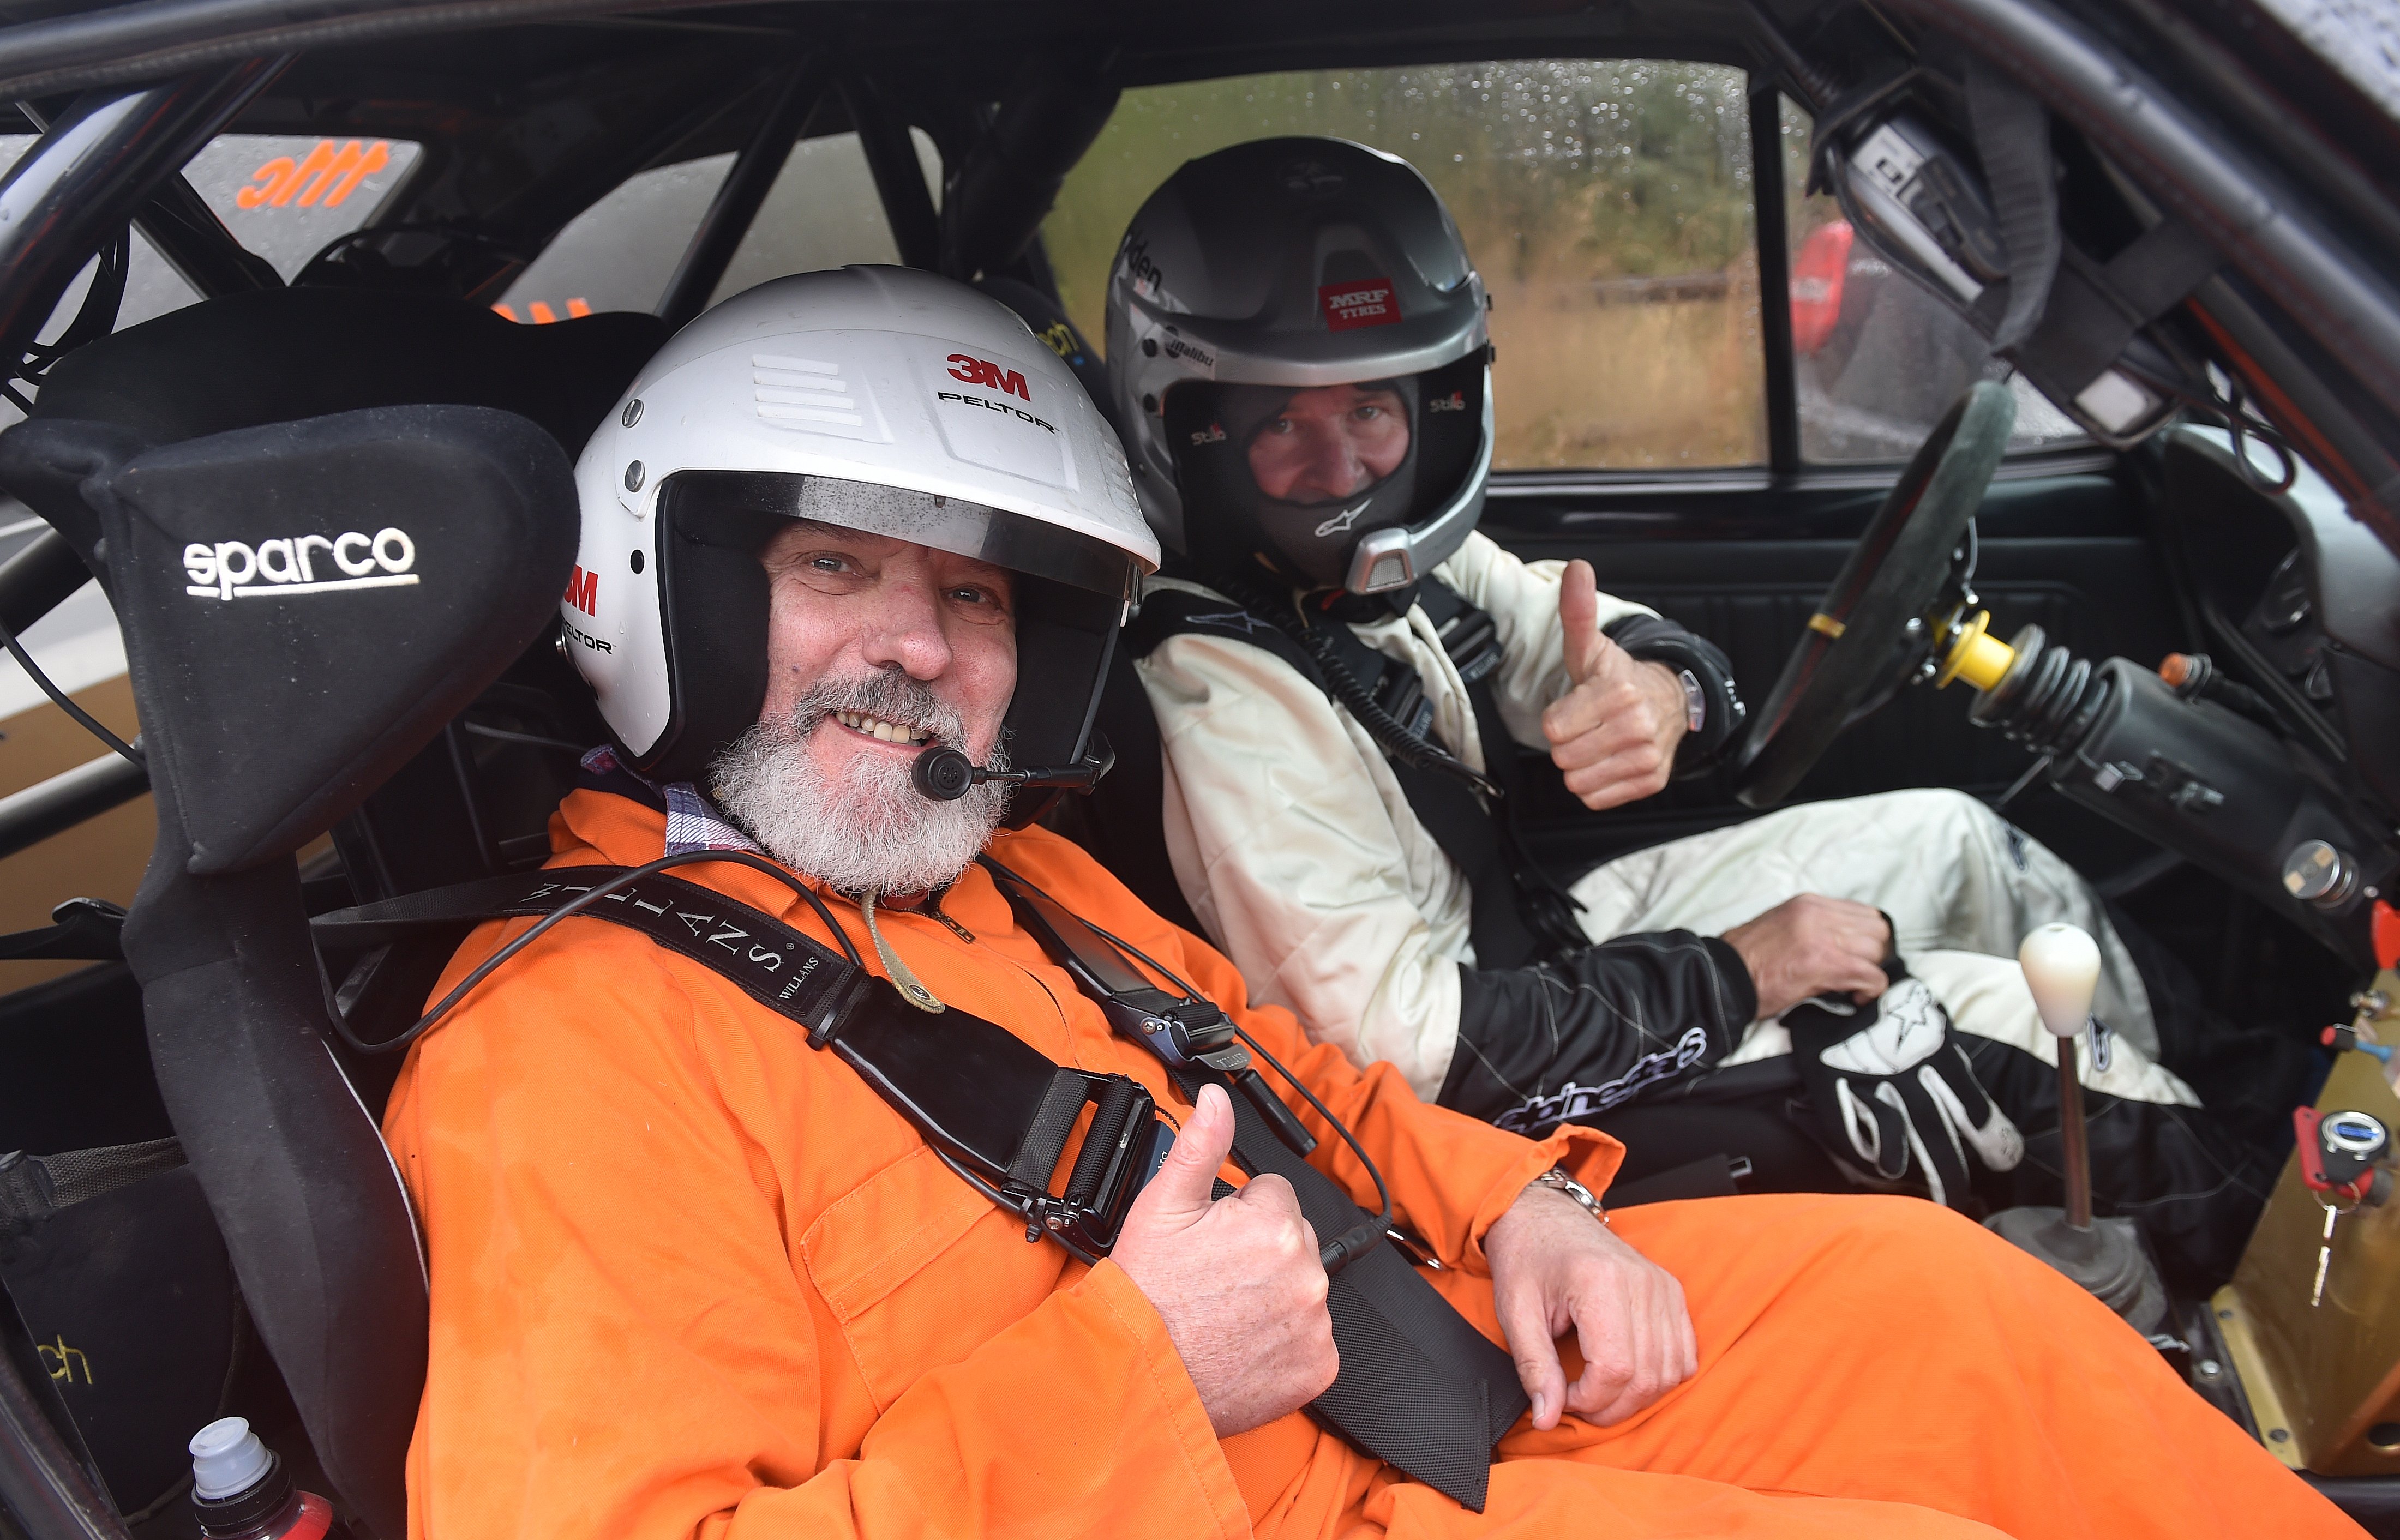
[
  {"x": 1594, "y": 1029},
  {"x": 1655, "y": 639}
]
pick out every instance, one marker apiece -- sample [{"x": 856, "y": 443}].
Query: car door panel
[{"x": 1746, "y": 571}]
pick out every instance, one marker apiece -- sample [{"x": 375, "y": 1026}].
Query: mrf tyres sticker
[{"x": 1363, "y": 302}]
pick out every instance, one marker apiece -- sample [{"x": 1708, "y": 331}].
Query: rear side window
[
  {"x": 1608, "y": 205},
  {"x": 620, "y": 254},
  {"x": 283, "y": 197},
  {"x": 1878, "y": 358}
]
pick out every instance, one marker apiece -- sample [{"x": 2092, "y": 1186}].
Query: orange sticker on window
[
  {"x": 541, "y": 312},
  {"x": 324, "y": 179}
]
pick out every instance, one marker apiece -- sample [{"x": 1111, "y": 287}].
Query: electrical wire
[
  {"x": 541, "y": 927},
  {"x": 59, "y": 698}
]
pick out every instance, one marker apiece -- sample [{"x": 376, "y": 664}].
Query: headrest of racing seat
[
  {"x": 281, "y": 354},
  {"x": 304, "y": 605}
]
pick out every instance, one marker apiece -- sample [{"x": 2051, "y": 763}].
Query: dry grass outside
[
  {"x": 1559, "y": 173},
  {"x": 99, "y": 858},
  {"x": 1576, "y": 382}
]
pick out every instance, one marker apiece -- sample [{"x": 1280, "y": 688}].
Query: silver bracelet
[{"x": 1556, "y": 1180}]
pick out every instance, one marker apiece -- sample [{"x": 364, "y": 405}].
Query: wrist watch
[{"x": 1558, "y": 1180}]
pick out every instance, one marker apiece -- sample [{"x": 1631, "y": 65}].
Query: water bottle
[{"x": 242, "y": 1491}]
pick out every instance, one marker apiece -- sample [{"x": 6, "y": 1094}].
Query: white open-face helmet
[{"x": 987, "y": 446}]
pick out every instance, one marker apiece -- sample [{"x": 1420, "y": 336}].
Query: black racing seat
[{"x": 194, "y": 462}]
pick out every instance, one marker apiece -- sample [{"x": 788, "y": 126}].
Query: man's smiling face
[
  {"x": 1330, "y": 442},
  {"x": 846, "y": 606},
  {"x": 876, "y": 649}
]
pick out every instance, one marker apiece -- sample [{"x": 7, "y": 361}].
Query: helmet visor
[{"x": 744, "y": 508}]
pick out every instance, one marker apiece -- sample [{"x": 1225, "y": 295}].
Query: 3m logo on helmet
[
  {"x": 1367, "y": 302},
  {"x": 583, "y": 591},
  {"x": 235, "y": 569},
  {"x": 971, "y": 370}
]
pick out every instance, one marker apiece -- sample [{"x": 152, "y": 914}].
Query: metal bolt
[
  {"x": 2208, "y": 1369},
  {"x": 634, "y": 477},
  {"x": 633, "y": 412},
  {"x": 2280, "y": 1436}
]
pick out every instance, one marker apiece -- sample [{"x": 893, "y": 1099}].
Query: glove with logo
[{"x": 1892, "y": 1087}]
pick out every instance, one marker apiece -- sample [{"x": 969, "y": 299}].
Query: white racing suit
[{"x": 1301, "y": 856}]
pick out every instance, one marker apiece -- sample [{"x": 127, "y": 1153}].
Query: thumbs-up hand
[
  {"x": 1614, "y": 731},
  {"x": 1236, "y": 1279}
]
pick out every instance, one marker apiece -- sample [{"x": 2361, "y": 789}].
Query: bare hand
[
  {"x": 1813, "y": 946},
  {"x": 1555, "y": 1267},
  {"x": 1236, "y": 1279},
  {"x": 1614, "y": 731}
]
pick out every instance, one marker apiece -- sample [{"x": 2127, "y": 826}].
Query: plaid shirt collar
[{"x": 693, "y": 822}]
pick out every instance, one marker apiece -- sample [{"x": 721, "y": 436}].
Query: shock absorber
[{"x": 2035, "y": 692}]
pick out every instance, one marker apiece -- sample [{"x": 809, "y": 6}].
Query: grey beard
[{"x": 871, "y": 830}]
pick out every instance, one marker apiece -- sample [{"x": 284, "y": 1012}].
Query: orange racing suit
[{"x": 692, "y": 1278}]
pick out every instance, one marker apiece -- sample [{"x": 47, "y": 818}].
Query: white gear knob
[{"x": 2062, "y": 967}]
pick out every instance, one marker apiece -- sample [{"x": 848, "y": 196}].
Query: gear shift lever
[{"x": 2062, "y": 967}]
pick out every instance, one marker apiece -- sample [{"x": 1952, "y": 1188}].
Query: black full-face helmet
[{"x": 1298, "y": 348}]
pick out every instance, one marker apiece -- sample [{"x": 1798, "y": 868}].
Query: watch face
[{"x": 1696, "y": 701}]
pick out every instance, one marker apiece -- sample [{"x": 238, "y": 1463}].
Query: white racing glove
[{"x": 1892, "y": 1086}]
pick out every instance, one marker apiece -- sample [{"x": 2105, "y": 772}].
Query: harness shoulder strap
[
  {"x": 1517, "y": 914},
  {"x": 997, "y": 1111}
]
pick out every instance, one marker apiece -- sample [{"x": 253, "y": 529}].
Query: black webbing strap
[
  {"x": 1419, "y": 1387},
  {"x": 1517, "y": 914},
  {"x": 986, "y": 1099}
]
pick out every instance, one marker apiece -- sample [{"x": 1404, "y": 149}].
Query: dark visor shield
[
  {"x": 744, "y": 508},
  {"x": 1303, "y": 474}
]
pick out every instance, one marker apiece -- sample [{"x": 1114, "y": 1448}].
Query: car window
[
  {"x": 284, "y": 197},
  {"x": 619, "y": 254},
  {"x": 1878, "y": 358},
  {"x": 1607, "y": 204}
]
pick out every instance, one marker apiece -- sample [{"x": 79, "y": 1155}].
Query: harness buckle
[{"x": 1122, "y": 1150}]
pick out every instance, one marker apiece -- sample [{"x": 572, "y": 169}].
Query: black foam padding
[
  {"x": 305, "y": 604},
  {"x": 277, "y": 355},
  {"x": 1047, "y": 319}
]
